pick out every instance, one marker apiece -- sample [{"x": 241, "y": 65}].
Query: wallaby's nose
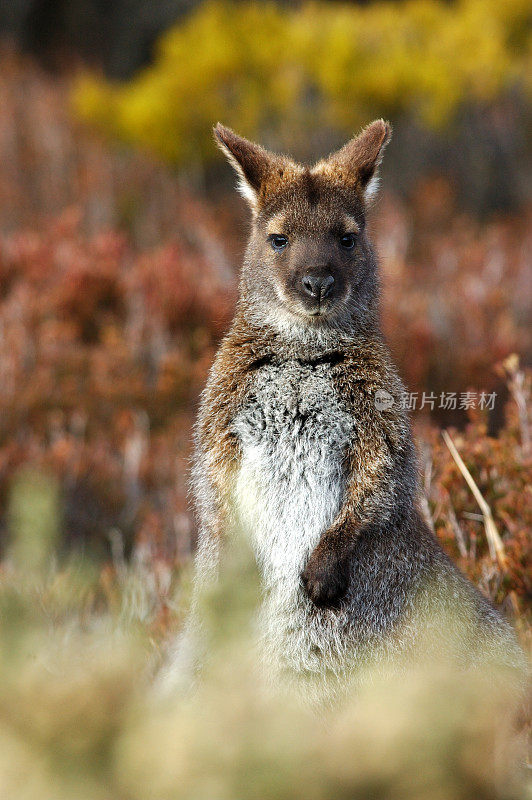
[{"x": 317, "y": 286}]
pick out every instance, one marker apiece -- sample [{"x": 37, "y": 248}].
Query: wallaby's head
[{"x": 309, "y": 263}]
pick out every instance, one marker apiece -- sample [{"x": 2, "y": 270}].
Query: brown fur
[{"x": 377, "y": 555}]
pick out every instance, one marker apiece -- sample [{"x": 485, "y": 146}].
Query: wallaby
[{"x": 294, "y": 447}]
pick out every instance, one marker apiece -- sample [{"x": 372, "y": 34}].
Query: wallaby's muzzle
[{"x": 316, "y": 285}]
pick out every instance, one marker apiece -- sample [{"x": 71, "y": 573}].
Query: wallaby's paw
[{"x": 325, "y": 579}]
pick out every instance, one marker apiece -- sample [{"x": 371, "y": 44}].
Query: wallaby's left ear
[
  {"x": 252, "y": 163},
  {"x": 358, "y": 161}
]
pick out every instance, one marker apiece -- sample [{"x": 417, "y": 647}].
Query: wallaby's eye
[
  {"x": 348, "y": 241},
  {"x": 277, "y": 241}
]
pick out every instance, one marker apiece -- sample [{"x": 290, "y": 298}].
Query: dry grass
[{"x": 78, "y": 716}]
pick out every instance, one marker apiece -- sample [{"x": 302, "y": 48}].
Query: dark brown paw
[{"x": 325, "y": 580}]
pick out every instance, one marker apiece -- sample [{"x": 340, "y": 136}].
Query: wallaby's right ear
[{"x": 252, "y": 163}]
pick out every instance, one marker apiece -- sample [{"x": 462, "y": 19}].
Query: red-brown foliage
[
  {"x": 102, "y": 354},
  {"x": 116, "y": 284}
]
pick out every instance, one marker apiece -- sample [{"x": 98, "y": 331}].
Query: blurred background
[{"x": 121, "y": 237}]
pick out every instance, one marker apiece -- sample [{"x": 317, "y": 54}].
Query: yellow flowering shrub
[{"x": 284, "y": 74}]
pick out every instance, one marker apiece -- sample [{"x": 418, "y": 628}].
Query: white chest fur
[{"x": 293, "y": 434}]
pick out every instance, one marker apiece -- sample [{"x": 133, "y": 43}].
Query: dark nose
[{"x": 317, "y": 286}]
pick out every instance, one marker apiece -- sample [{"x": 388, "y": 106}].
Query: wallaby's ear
[
  {"x": 358, "y": 161},
  {"x": 252, "y": 163}
]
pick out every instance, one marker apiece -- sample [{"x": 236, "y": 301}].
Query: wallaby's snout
[
  {"x": 312, "y": 277},
  {"x": 317, "y": 285},
  {"x": 314, "y": 289}
]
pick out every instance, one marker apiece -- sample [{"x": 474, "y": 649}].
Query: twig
[
  {"x": 520, "y": 391},
  {"x": 457, "y": 530},
  {"x": 517, "y": 388},
  {"x": 472, "y": 515},
  {"x": 425, "y": 508},
  {"x": 495, "y": 544}
]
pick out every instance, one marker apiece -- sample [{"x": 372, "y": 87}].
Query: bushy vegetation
[
  {"x": 501, "y": 468},
  {"x": 291, "y": 76}
]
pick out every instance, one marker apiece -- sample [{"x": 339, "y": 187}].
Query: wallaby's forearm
[{"x": 379, "y": 489}]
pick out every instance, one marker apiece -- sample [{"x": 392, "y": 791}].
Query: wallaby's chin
[
  {"x": 296, "y": 323},
  {"x": 312, "y": 316},
  {"x": 330, "y": 312}
]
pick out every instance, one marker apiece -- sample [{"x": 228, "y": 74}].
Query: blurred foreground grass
[{"x": 79, "y": 717}]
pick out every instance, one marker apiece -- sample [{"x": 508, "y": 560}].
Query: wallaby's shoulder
[
  {"x": 367, "y": 359},
  {"x": 239, "y": 356}
]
